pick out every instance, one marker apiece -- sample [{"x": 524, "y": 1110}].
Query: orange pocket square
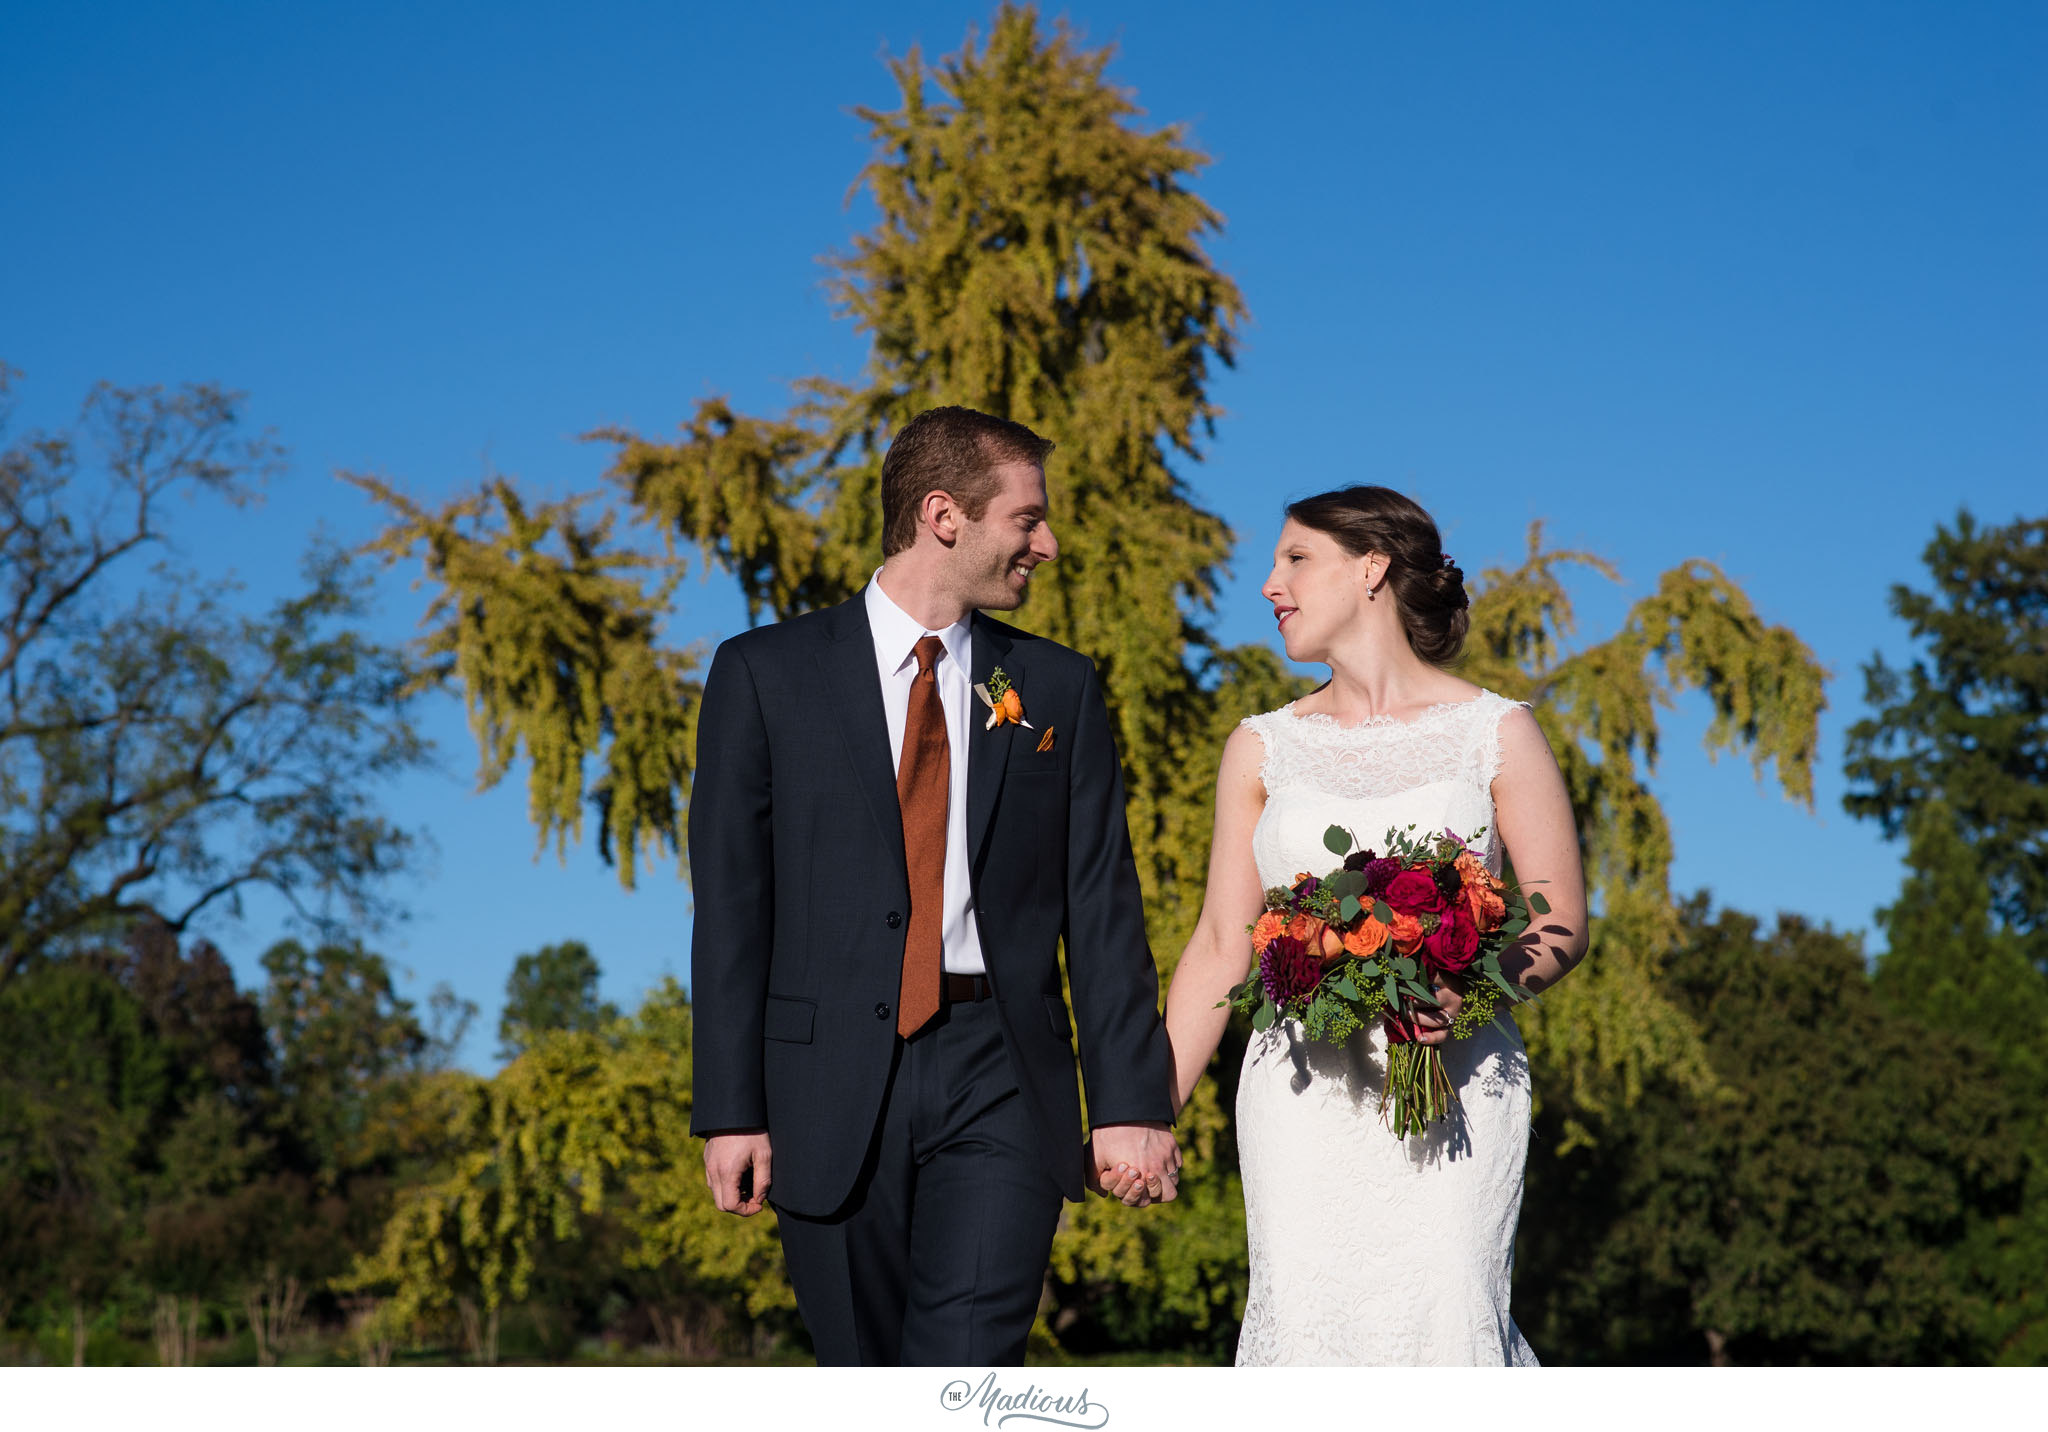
[{"x": 1045, "y": 741}]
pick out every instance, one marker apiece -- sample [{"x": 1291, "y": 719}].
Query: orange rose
[
  {"x": 1486, "y": 908},
  {"x": 1270, "y": 927},
  {"x": 1316, "y": 936},
  {"x": 1331, "y": 943},
  {"x": 1407, "y": 932},
  {"x": 1365, "y": 937}
]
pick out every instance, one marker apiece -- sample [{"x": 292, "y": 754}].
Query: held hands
[
  {"x": 737, "y": 1167},
  {"x": 1138, "y": 1164}
]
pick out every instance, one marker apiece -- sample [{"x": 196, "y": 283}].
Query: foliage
[
  {"x": 1600, "y": 1034},
  {"x": 556, "y": 657},
  {"x": 581, "y": 1122},
  {"x": 1803, "y": 1210},
  {"x": 1955, "y": 760},
  {"x": 159, "y": 753},
  {"x": 342, "y": 1035},
  {"x": 555, "y": 987},
  {"x": 1968, "y": 723}
]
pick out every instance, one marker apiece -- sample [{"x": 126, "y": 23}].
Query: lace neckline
[{"x": 1324, "y": 721}]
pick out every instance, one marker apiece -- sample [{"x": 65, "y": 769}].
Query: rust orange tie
[{"x": 922, "y": 778}]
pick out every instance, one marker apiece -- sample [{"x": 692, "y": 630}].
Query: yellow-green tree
[
  {"x": 582, "y": 1122},
  {"x": 1038, "y": 255},
  {"x": 1599, "y": 1033}
]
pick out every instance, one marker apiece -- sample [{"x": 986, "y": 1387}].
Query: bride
[{"x": 1366, "y": 1248}]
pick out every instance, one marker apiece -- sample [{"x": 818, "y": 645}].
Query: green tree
[
  {"x": 1039, "y": 255},
  {"x": 1954, "y": 759},
  {"x": 347, "y": 1047},
  {"x": 1599, "y": 1035},
  {"x": 160, "y": 752},
  {"x": 1804, "y": 1210},
  {"x": 555, "y": 987},
  {"x": 1968, "y": 722},
  {"x": 583, "y": 1122},
  {"x": 134, "y": 1130},
  {"x": 81, "y": 1090}
]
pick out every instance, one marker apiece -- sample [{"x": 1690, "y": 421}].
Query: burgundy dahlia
[
  {"x": 1379, "y": 874},
  {"x": 1289, "y": 970}
]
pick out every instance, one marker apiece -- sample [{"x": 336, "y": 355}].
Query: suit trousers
[{"x": 939, "y": 1255}]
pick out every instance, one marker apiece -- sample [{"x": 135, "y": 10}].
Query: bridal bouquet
[{"x": 1368, "y": 940}]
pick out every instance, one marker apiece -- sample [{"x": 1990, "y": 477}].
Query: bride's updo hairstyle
[{"x": 1428, "y": 589}]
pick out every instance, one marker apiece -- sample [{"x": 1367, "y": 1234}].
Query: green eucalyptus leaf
[
  {"x": 1349, "y": 909},
  {"x": 1537, "y": 903},
  {"x": 1263, "y": 1017},
  {"x": 1338, "y": 840}
]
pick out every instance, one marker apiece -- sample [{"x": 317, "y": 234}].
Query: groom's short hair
[{"x": 951, "y": 450}]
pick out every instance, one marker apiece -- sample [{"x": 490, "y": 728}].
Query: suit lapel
[
  {"x": 988, "y": 751},
  {"x": 848, "y": 659}
]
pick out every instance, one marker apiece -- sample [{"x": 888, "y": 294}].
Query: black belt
[{"x": 967, "y": 989}]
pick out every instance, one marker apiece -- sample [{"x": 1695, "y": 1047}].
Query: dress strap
[
  {"x": 1483, "y": 749},
  {"x": 1267, "y": 726}
]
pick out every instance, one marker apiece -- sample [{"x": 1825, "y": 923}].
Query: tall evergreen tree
[
  {"x": 1955, "y": 761},
  {"x": 1596, "y": 1037},
  {"x": 1968, "y": 722}
]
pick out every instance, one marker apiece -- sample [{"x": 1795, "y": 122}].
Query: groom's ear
[{"x": 941, "y": 516}]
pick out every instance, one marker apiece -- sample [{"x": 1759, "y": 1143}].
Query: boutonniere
[{"x": 1005, "y": 706}]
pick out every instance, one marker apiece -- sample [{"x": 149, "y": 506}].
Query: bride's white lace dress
[{"x": 1366, "y": 1248}]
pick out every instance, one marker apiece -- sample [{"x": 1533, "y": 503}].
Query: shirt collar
[{"x": 897, "y": 633}]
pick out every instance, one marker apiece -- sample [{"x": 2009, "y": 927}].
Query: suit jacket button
[
  {"x": 881, "y": 1011},
  {"x": 895, "y": 920}
]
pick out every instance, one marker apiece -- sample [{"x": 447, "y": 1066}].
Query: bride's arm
[
  {"x": 1218, "y": 955},
  {"x": 1534, "y": 815}
]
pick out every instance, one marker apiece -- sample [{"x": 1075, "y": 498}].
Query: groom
[{"x": 883, "y": 878}]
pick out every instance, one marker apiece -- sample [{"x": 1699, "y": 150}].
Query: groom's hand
[
  {"x": 736, "y": 1166},
  {"x": 1139, "y": 1163}
]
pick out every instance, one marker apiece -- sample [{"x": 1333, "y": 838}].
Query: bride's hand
[{"x": 1433, "y": 1026}]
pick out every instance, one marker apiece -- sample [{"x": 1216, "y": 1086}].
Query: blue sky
[{"x": 1755, "y": 283}]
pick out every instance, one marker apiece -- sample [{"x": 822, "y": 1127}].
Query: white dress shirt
[{"x": 896, "y": 635}]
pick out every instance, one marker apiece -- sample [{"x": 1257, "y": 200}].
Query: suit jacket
[{"x": 803, "y": 900}]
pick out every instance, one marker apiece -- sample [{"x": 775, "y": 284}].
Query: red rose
[
  {"x": 1415, "y": 892},
  {"x": 1455, "y": 942}
]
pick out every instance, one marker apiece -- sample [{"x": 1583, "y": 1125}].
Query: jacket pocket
[
  {"x": 1056, "y": 1011},
  {"x": 788, "y": 1019}
]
